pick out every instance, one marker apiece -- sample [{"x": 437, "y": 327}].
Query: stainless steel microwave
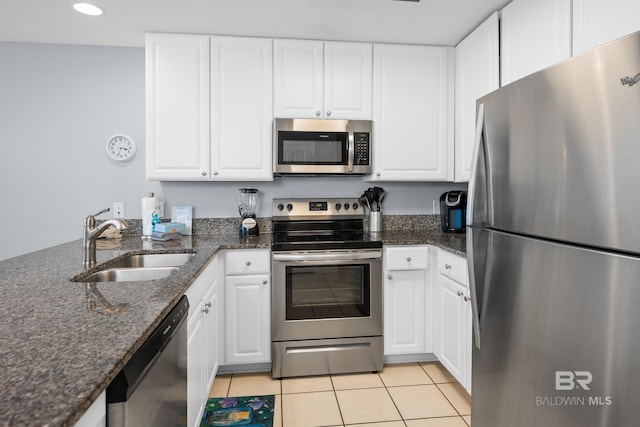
[{"x": 313, "y": 146}]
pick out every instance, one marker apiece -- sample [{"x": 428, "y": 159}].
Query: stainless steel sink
[
  {"x": 138, "y": 267},
  {"x": 128, "y": 274},
  {"x": 153, "y": 260}
]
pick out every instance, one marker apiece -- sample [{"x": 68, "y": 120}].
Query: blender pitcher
[{"x": 247, "y": 200}]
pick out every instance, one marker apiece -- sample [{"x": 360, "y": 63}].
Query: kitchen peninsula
[{"x": 61, "y": 347}]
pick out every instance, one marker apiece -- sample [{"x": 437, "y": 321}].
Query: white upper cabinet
[
  {"x": 534, "y": 35},
  {"x": 241, "y": 108},
  {"x": 477, "y": 73},
  {"x": 177, "y": 107},
  {"x": 209, "y": 108},
  {"x": 413, "y": 113},
  {"x": 600, "y": 21},
  {"x": 315, "y": 79},
  {"x": 348, "y": 80}
]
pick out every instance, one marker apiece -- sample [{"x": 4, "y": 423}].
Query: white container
[{"x": 150, "y": 205}]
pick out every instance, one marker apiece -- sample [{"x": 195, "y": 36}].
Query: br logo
[{"x": 570, "y": 380}]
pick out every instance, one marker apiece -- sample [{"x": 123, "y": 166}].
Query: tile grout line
[
  {"x": 393, "y": 401},
  {"x": 281, "y": 403},
  {"x": 450, "y": 402},
  {"x": 335, "y": 394}
]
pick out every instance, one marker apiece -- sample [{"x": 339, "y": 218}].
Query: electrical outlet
[{"x": 118, "y": 209}]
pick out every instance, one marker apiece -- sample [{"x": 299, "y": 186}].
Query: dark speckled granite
[
  {"x": 420, "y": 230},
  {"x": 63, "y": 342},
  {"x": 58, "y": 352}
]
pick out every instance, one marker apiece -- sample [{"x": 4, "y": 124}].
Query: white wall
[{"x": 59, "y": 104}]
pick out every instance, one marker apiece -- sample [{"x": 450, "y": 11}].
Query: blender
[{"x": 247, "y": 200}]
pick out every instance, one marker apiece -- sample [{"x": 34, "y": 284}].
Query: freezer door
[
  {"x": 560, "y": 336},
  {"x": 561, "y": 151}
]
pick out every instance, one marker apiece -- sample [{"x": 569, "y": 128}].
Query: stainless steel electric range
[{"x": 326, "y": 289}]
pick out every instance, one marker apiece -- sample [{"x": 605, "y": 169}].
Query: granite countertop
[
  {"x": 454, "y": 243},
  {"x": 61, "y": 346},
  {"x": 63, "y": 342}
]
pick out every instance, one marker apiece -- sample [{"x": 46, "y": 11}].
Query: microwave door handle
[{"x": 351, "y": 153}]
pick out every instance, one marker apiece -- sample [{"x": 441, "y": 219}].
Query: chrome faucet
[{"x": 90, "y": 233}]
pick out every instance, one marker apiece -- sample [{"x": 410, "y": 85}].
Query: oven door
[{"x": 326, "y": 294}]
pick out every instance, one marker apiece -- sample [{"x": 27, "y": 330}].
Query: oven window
[
  {"x": 312, "y": 148},
  {"x": 323, "y": 292}
]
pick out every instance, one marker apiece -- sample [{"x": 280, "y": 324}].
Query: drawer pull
[
  {"x": 447, "y": 266},
  {"x": 264, "y": 282},
  {"x": 408, "y": 259},
  {"x": 248, "y": 263},
  {"x": 390, "y": 277},
  {"x": 459, "y": 293}
]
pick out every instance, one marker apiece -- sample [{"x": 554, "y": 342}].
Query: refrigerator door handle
[
  {"x": 471, "y": 199},
  {"x": 477, "y": 148},
  {"x": 473, "y": 288}
]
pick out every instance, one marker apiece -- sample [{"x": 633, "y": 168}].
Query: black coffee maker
[{"x": 453, "y": 211}]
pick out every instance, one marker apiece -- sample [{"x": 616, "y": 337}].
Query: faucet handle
[
  {"x": 90, "y": 221},
  {"x": 102, "y": 211}
]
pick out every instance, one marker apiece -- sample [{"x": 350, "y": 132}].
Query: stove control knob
[
  {"x": 289, "y": 207},
  {"x": 355, "y": 206},
  {"x": 346, "y": 206},
  {"x": 280, "y": 206},
  {"x": 338, "y": 206}
]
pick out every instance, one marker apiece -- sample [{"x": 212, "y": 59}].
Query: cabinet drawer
[
  {"x": 453, "y": 267},
  {"x": 247, "y": 262},
  {"x": 406, "y": 258}
]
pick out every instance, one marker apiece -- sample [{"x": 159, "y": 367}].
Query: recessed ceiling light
[{"x": 88, "y": 9}]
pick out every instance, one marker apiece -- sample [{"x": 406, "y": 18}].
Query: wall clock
[{"x": 121, "y": 148}]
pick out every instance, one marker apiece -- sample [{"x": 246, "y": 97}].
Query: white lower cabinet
[
  {"x": 248, "y": 306},
  {"x": 96, "y": 415},
  {"x": 204, "y": 338},
  {"x": 452, "y": 317},
  {"x": 407, "y": 300}
]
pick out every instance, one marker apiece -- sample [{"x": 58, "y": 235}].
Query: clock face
[{"x": 121, "y": 148}]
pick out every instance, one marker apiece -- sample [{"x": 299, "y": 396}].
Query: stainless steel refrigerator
[{"x": 553, "y": 245}]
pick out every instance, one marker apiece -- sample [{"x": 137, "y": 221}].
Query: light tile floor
[{"x": 402, "y": 395}]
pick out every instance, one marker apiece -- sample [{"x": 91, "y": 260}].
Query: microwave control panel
[{"x": 361, "y": 140}]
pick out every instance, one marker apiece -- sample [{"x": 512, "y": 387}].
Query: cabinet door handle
[
  {"x": 459, "y": 293},
  {"x": 204, "y": 173},
  {"x": 205, "y": 310},
  {"x": 390, "y": 277},
  {"x": 447, "y": 266},
  {"x": 318, "y": 113},
  {"x": 328, "y": 113},
  {"x": 264, "y": 282},
  {"x": 215, "y": 172},
  {"x": 208, "y": 304},
  {"x": 467, "y": 298},
  {"x": 408, "y": 259},
  {"x": 248, "y": 263}
]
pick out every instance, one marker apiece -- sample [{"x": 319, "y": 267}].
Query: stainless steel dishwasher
[{"x": 151, "y": 390}]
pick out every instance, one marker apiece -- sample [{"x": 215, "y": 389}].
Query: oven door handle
[{"x": 339, "y": 256}]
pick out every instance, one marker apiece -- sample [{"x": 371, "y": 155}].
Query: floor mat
[{"x": 246, "y": 411}]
